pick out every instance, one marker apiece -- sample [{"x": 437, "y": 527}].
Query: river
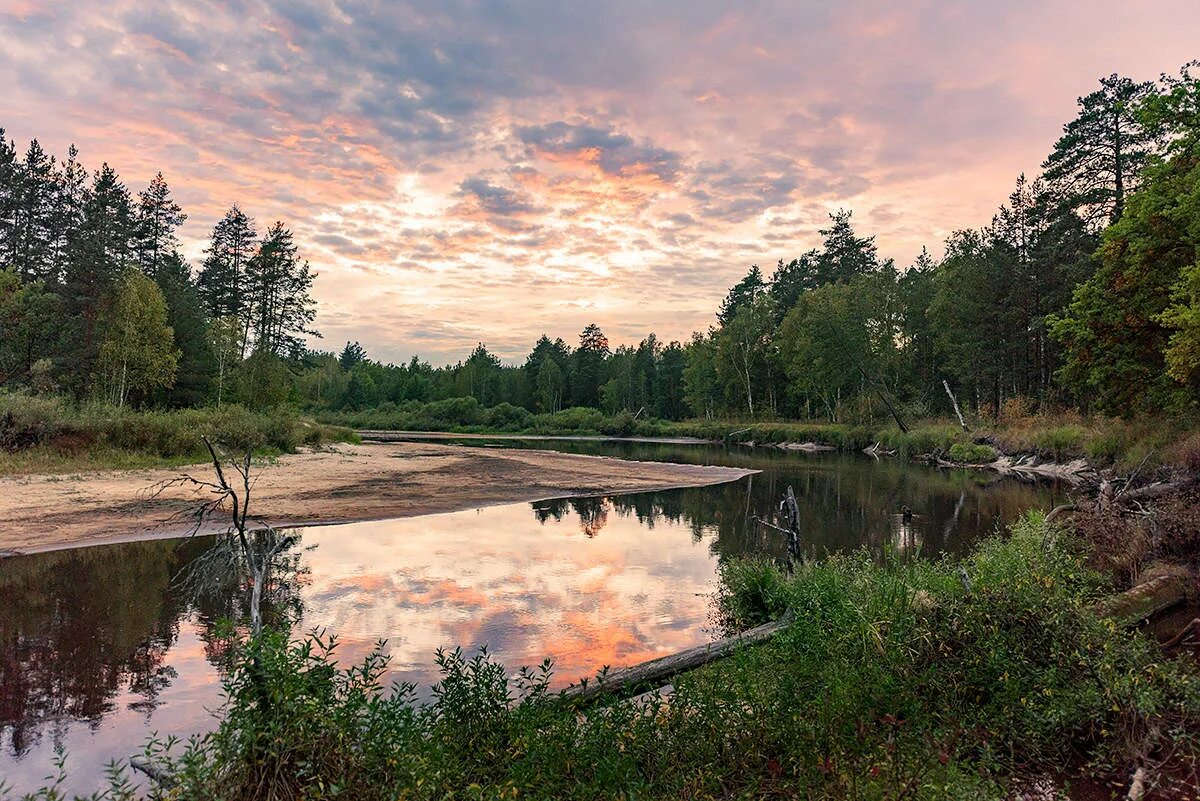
[{"x": 101, "y": 646}]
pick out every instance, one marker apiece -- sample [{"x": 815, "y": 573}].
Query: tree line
[
  {"x": 97, "y": 301},
  {"x": 1083, "y": 290}
]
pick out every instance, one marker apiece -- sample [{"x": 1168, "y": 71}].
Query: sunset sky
[{"x": 486, "y": 171}]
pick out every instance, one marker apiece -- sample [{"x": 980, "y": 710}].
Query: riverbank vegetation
[
  {"x": 1078, "y": 301},
  {"x": 50, "y": 435},
  {"x": 892, "y": 680}
]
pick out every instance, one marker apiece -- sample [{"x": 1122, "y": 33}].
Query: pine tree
[
  {"x": 278, "y": 307},
  {"x": 743, "y": 293},
  {"x": 96, "y": 259},
  {"x": 844, "y": 255},
  {"x": 351, "y": 355},
  {"x": 587, "y": 368},
  {"x": 1098, "y": 159},
  {"x": 9, "y": 190},
  {"x": 71, "y": 196},
  {"x": 185, "y": 316},
  {"x": 791, "y": 280},
  {"x": 222, "y": 275},
  {"x": 158, "y": 216},
  {"x": 32, "y": 222}
]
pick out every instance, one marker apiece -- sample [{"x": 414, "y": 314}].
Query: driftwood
[
  {"x": 1059, "y": 511},
  {"x": 1158, "y": 489},
  {"x": 159, "y": 776},
  {"x": 1193, "y": 626},
  {"x": 878, "y": 450},
  {"x": 1154, "y": 595},
  {"x": 808, "y": 447},
  {"x": 657, "y": 671}
]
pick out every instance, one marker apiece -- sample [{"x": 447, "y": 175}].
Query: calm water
[{"x": 101, "y": 646}]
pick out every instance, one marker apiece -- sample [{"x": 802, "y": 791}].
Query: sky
[{"x": 461, "y": 172}]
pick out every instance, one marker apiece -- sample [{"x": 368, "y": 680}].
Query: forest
[{"x": 1081, "y": 292}]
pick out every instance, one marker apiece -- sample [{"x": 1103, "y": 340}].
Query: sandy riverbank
[{"x": 350, "y": 482}]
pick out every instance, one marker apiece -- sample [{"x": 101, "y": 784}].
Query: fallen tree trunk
[
  {"x": 1148, "y": 598},
  {"x": 657, "y": 671},
  {"x": 1158, "y": 489}
]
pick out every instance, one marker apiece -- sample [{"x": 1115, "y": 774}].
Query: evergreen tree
[
  {"x": 701, "y": 386},
  {"x": 587, "y": 373},
  {"x": 844, "y": 255},
  {"x": 547, "y": 386},
  {"x": 351, "y": 355},
  {"x": 97, "y": 258},
  {"x": 32, "y": 223},
  {"x": 1130, "y": 317},
  {"x": 185, "y": 316},
  {"x": 791, "y": 280},
  {"x": 71, "y": 196},
  {"x": 9, "y": 191},
  {"x": 222, "y": 275},
  {"x": 157, "y": 218},
  {"x": 743, "y": 293},
  {"x": 669, "y": 402},
  {"x": 916, "y": 288},
  {"x": 1096, "y": 162},
  {"x": 279, "y": 310}
]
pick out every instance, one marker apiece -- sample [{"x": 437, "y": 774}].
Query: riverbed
[{"x": 101, "y": 646}]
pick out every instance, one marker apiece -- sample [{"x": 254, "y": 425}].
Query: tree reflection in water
[
  {"x": 87, "y": 634},
  {"x": 220, "y": 585}
]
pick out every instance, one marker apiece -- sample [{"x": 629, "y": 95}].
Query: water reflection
[{"x": 101, "y": 646}]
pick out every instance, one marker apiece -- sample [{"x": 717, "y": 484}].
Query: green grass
[
  {"x": 891, "y": 681},
  {"x": 49, "y": 435},
  {"x": 1122, "y": 444},
  {"x": 971, "y": 453}
]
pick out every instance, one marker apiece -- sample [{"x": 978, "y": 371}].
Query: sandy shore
[{"x": 351, "y": 482}]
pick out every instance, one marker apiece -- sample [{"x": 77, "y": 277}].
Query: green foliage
[
  {"x": 890, "y": 679},
  {"x": 752, "y": 591},
  {"x": 1133, "y": 314},
  {"x": 43, "y": 427},
  {"x": 1060, "y": 442},
  {"x": 1101, "y": 153},
  {"x": 138, "y": 352},
  {"x": 971, "y": 453}
]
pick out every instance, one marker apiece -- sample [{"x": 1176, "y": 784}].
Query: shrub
[
  {"x": 1060, "y": 442},
  {"x": 971, "y": 453},
  {"x": 1104, "y": 446},
  {"x": 890, "y": 677},
  {"x": 1186, "y": 453},
  {"x": 507, "y": 417},
  {"x": 620, "y": 424},
  {"x": 752, "y": 591}
]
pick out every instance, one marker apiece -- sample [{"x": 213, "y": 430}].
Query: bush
[
  {"x": 889, "y": 677},
  {"x": 752, "y": 591},
  {"x": 971, "y": 453},
  {"x": 50, "y": 426},
  {"x": 1186, "y": 453},
  {"x": 507, "y": 417},
  {"x": 1060, "y": 442},
  {"x": 621, "y": 424}
]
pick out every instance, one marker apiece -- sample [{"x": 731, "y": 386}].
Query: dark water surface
[{"x": 101, "y": 646}]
